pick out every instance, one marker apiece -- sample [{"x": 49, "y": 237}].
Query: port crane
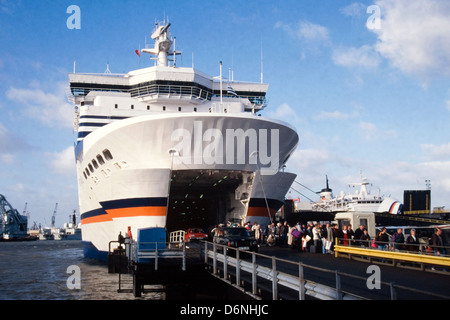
[
  {"x": 12, "y": 224},
  {"x": 54, "y": 215}
]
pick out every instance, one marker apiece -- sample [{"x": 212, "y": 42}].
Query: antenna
[
  {"x": 232, "y": 65},
  {"x": 174, "y": 56},
  {"x": 107, "y": 71},
  {"x": 262, "y": 70},
  {"x": 74, "y": 65},
  {"x": 221, "y": 83}
]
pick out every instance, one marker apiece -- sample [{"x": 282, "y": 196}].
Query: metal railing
[
  {"x": 392, "y": 253},
  {"x": 286, "y": 276},
  {"x": 171, "y": 91},
  {"x": 281, "y": 273},
  {"x": 421, "y": 248},
  {"x": 146, "y": 252}
]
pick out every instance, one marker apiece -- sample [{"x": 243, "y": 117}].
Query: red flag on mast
[{"x": 138, "y": 53}]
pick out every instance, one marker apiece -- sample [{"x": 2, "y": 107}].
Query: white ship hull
[
  {"x": 172, "y": 147},
  {"x": 130, "y": 183}
]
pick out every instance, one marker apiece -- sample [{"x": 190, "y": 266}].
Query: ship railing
[
  {"x": 153, "y": 252},
  {"x": 177, "y": 237},
  {"x": 279, "y": 276},
  {"x": 423, "y": 247},
  {"x": 171, "y": 91},
  {"x": 413, "y": 256}
]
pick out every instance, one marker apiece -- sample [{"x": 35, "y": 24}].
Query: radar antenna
[{"x": 163, "y": 43}]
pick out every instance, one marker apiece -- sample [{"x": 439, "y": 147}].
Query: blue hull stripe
[
  {"x": 91, "y": 252},
  {"x": 261, "y": 202},
  {"x": 125, "y": 203}
]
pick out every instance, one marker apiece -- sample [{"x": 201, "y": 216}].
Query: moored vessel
[{"x": 172, "y": 147}]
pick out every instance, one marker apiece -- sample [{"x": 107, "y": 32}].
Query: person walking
[
  {"x": 364, "y": 240},
  {"x": 329, "y": 239},
  {"x": 399, "y": 240},
  {"x": 284, "y": 229},
  {"x": 412, "y": 242},
  {"x": 358, "y": 234},
  {"x": 258, "y": 235},
  {"x": 345, "y": 236},
  {"x": 382, "y": 239},
  {"x": 437, "y": 244}
]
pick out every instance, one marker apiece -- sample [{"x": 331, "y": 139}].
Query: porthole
[
  {"x": 107, "y": 154},
  {"x": 100, "y": 159}
]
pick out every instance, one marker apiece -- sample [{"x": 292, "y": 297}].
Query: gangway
[
  {"x": 150, "y": 259},
  {"x": 264, "y": 277}
]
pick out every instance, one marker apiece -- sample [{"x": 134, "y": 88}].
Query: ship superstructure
[
  {"x": 361, "y": 200},
  {"x": 172, "y": 147}
]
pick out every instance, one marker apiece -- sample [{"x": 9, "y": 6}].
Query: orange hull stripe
[
  {"x": 260, "y": 212},
  {"x": 127, "y": 212}
]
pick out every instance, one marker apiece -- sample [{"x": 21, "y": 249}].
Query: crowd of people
[{"x": 321, "y": 238}]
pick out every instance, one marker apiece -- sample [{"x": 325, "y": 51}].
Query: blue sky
[{"x": 375, "y": 100}]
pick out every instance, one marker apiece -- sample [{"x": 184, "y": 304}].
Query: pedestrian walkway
[{"x": 422, "y": 281}]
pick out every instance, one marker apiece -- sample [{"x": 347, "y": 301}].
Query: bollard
[
  {"x": 301, "y": 282},
  {"x": 238, "y": 268},
  {"x": 183, "y": 267},
  {"x": 254, "y": 284},
  {"x": 338, "y": 286},
  {"x": 274, "y": 280},
  {"x": 214, "y": 259},
  {"x": 393, "y": 292},
  {"x": 225, "y": 263}
]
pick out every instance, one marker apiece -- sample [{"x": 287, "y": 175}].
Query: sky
[{"x": 365, "y": 83}]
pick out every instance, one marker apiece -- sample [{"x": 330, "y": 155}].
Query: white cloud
[
  {"x": 63, "y": 162},
  {"x": 10, "y": 145},
  {"x": 312, "y": 32},
  {"x": 371, "y": 132},
  {"x": 364, "y": 56},
  {"x": 414, "y": 36},
  {"x": 8, "y": 6},
  {"x": 355, "y": 10},
  {"x": 306, "y": 31},
  {"x": 283, "y": 112},
  {"x": 50, "y": 108},
  {"x": 6, "y": 158},
  {"x": 336, "y": 115},
  {"x": 436, "y": 152}
]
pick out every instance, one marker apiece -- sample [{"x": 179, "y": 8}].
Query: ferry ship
[
  {"x": 361, "y": 200},
  {"x": 172, "y": 147}
]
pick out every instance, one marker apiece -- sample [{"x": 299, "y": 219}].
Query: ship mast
[{"x": 163, "y": 43}]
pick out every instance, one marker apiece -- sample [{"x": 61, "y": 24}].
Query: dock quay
[{"x": 209, "y": 271}]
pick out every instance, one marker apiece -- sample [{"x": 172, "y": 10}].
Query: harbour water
[{"x": 40, "y": 270}]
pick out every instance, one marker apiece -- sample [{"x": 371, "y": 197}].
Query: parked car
[
  {"x": 193, "y": 234},
  {"x": 235, "y": 237}
]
